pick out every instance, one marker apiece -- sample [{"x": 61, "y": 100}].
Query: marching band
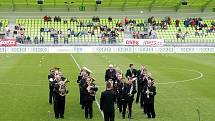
[{"x": 118, "y": 91}]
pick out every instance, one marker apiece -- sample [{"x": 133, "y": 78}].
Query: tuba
[{"x": 63, "y": 88}]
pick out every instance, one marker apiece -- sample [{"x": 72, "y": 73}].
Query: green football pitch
[{"x": 185, "y": 83}]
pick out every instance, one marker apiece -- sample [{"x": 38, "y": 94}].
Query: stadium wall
[{"x": 106, "y": 49}]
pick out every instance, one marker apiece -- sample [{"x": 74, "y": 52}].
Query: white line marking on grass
[
  {"x": 186, "y": 80},
  {"x": 95, "y": 98}
]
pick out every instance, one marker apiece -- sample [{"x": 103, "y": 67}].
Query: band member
[
  {"x": 107, "y": 101},
  {"x": 121, "y": 94},
  {"x": 140, "y": 84},
  {"x": 130, "y": 95},
  {"x": 51, "y": 85},
  {"x": 81, "y": 81},
  {"x": 110, "y": 73},
  {"x": 60, "y": 92},
  {"x": 131, "y": 72},
  {"x": 89, "y": 96},
  {"x": 149, "y": 93}
]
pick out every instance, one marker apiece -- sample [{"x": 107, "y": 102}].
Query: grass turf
[{"x": 24, "y": 85}]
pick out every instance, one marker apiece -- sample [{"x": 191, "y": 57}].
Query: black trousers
[
  {"x": 88, "y": 105},
  {"x": 150, "y": 110},
  {"x": 125, "y": 105},
  {"x": 59, "y": 105},
  {"x": 139, "y": 97},
  {"x": 109, "y": 116},
  {"x": 119, "y": 104},
  {"x": 50, "y": 94}
]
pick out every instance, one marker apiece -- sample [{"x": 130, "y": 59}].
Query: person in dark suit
[
  {"x": 149, "y": 93},
  {"x": 59, "y": 99},
  {"x": 110, "y": 73},
  {"x": 140, "y": 85},
  {"x": 51, "y": 78},
  {"x": 131, "y": 72},
  {"x": 107, "y": 101},
  {"x": 131, "y": 91},
  {"x": 89, "y": 96}
]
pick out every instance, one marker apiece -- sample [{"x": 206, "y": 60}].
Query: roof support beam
[
  {"x": 124, "y": 4},
  {"x": 151, "y": 5},
  {"x": 138, "y": 2}
]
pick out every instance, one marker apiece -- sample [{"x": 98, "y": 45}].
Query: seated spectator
[
  {"x": 110, "y": 19},
  {"x": 65, "y": 21},
  {"x": 46, "y": 18},
  {"x": 73, "y": 19},
  {"x": 177, "y": 22},
  {"x": 50, "y": 19},
  {"x": 36, "y": 40}
]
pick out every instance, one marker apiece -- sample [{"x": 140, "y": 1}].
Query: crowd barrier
[{"x": 106, "y": 49}]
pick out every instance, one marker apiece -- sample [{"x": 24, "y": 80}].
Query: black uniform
[
  {"x": 149, "y": 101},
  {"x": 130, "y": 98},
  {"x": 120, "y": 94},
  {"x": 131, "y": 73},
  {"x": 59, "y": 102},
  {"x": 110, "y": 74},
  {"x": 88, "y": 99},
  {"x": 51, "y": 87},
  {"x": 107, "y": 101},
  {"x": 81, "y": 82},
  {"x": 141, "y": 82}
]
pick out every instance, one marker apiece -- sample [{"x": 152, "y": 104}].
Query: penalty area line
[{"x": 97, "y": 103}]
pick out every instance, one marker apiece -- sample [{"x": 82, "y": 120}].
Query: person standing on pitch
[
  {"x": 60, "y": 92},
  {"x": 149, "y": 92},
  {"x": 51, "y": 85},
  {"x": 130, "y": 96},
  {"x": 110, "y": 73},
  {"x": 131, "y": 72},
  {"x": 107, "y": 101}
]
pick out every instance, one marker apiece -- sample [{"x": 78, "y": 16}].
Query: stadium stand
[
  {"x": 3, "y": 23},
  {"x": 99, "y": 31}
]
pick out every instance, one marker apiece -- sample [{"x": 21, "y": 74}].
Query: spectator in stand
[
  {"x": 41, "y": 39},
  {"x": 126, "y": 21},
  {"x": 66, "y": 39},
  {"x": 46, "y": 18},
  {"x": 50, "y": 19},
  {"x": 177, "y": 22},
  {"x": 1, "y": 25},
  {"x": 110, "y": 19},
  {"x": 73, "y": 19},
  {"x": 7, "y": 31},
  {"x": 36, "y": 40},
  {"x": 65, "y": 21}
]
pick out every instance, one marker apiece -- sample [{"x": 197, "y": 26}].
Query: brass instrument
[
  {"x": 131, "y": 90},
  {"x": 147, "y": 92},
  {"x": 63, "y": 87}
]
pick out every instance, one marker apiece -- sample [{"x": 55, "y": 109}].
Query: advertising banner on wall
[
  {"x": 8, "y": 42},
  {"x": 143, "y": 42}
]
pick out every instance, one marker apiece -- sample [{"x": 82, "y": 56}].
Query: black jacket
[
  {"x": 110, "y": 75},
  {"x": 151, "y": 96},
  {"x": 107, "y": 101},
  {"x": 131, "y": 73}
]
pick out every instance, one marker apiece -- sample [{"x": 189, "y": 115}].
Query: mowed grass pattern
[{"x": 24, "y": 85}]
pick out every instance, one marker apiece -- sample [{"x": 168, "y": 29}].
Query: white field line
[
  {"x": 95, "y": 98},
  {"x": 186, "y": 80}
]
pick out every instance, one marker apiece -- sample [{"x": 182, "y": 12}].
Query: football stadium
[{"x": 107, "y": 60}]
